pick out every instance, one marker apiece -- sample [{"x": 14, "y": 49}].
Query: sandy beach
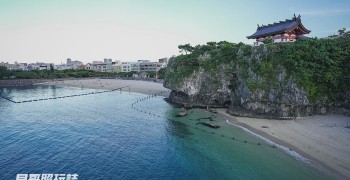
[
  {"x": 324, "y": 140},
  {"x": 145, "y": 87}
]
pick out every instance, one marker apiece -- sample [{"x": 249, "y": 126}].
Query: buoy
[
  {"x": 259, "y": 143},
  {"x": 245, "y": 141},
  {"x": 233, "y": 138}
]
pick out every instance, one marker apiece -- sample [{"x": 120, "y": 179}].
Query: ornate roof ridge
[{"x": 281, "y": 22}]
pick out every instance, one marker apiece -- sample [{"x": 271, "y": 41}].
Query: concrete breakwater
[
  {"x": 60, "y": 97},
  {"x": 17, "y": 82}
]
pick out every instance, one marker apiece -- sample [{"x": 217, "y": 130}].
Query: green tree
[
  {"x": 161, "y": 73},
  {"x": 268, "y": 41},
  {"x": 51, "y": 68},
  {"x": 186, "y": 48},
  {"x": 341, "y": 31},
  {"x": 3, "y": 72}
]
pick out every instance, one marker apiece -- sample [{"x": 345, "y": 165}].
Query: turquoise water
[{"x": 109, "y": 136}]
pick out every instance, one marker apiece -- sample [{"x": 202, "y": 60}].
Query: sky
[{"x": 128, "y": 30}]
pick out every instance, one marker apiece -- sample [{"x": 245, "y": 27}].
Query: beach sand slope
[
  {"x": 324, "y": 139},
  {"x": 145, "y": 87}
]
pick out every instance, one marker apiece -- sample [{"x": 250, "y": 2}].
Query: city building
[
  {"x": 125, "y": 67},
  {"x": 147, "y": 66},
  {"x": 163, "y": 60},
  {"x": 8, "y": 65},
  {"x": 38, "y": 66},
  {"x": 74, "y": 64},
  {"x": 99, "y": 67},
  {"x": 135, "y": 67},
  {"x": 107, "y": 60},
  {"x": 116, "y": 66},
  {"x": 21, "y": 66}
]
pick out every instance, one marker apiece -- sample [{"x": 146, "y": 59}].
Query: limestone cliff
[{"x": 248, "y": 86}]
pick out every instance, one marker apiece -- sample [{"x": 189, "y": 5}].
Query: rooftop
[{"x": 280, "y": 27}]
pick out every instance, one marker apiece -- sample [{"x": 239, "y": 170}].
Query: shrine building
[{"x": 289, "y": 30}]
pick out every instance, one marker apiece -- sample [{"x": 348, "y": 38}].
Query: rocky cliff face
[
  {"x": 201, "y": 89},
  {"x": 246, "y": 93}
]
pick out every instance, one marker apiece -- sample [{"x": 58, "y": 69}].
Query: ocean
[{"x": 124, "y": 135}]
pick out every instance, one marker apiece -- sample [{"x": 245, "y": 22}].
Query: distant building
[
  {"x": 147, "y": 66},
  {"x": 163, "y": 60},
  {"x": 106, "y": 60},
  {"x": 62, "y": 67},
  {"x": 97, "y": 62},
  {"x": 135, "y": 67},
  {"x": 99, "y": 67},
  {"x": 39, "y": 66},
  {"x": 116, "y": 66},
  {"x": 21, "y": 66},
  {"x": 74, "y": 64},
  {"x": 8, "y": 65},
  {"x": 284, "y": 31},
  {"x": 125, "y": 67}
]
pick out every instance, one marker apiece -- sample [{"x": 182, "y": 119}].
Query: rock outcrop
[{"x": 246, "y": 93}]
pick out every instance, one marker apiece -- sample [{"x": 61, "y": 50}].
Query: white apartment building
[
  {"x": 99, "y": 67},
  {"x": 135, "y": 67},
  {"x": 117, "y": 66},
  {"x": 126, "y": 67}
]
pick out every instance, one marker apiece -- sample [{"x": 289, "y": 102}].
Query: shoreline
[
  {"x": 138, "y": 86},
  {"x": 315, "y": 156},
  {"x": 314, "y": 159}
]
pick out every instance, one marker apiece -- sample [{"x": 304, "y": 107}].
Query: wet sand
[{"x": 324, "y": 140}]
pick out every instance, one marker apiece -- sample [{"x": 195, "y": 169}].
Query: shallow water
[{"x": 106, "y": 136}]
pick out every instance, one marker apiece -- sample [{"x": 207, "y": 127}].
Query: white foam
[{"x": 283, "y": 148}]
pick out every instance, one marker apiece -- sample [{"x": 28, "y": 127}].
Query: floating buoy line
[
  {"x": 62, "y": 97},
  {"x": 148, "y": 97}
]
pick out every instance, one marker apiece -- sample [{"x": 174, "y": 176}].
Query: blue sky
[{"x": 52, "y": 31}]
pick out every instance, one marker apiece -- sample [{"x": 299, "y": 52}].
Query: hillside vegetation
[{"x": 321, "y": 67}]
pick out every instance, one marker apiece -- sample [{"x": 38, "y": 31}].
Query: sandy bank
[
  {"x": 324, "y": 140},
  {"x": 145, "y": 87}
]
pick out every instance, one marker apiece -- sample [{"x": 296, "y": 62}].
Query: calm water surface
[{"x": 102, "y": 137}]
